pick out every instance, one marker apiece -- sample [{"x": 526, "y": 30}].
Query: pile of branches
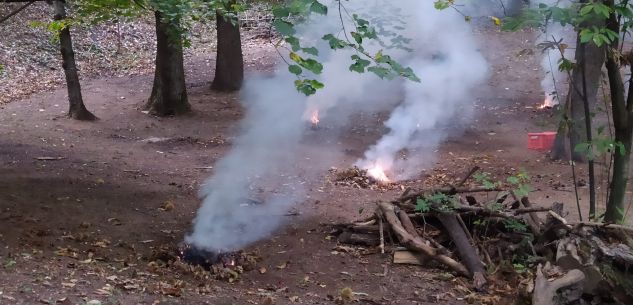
[{"x": 560, "y": 262}]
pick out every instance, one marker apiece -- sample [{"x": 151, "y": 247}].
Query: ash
[{"x": 204, "y": 258}]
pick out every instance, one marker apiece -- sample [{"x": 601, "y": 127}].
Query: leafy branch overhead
[{"x": 305, "y": 63}]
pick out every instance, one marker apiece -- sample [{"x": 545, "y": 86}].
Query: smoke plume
[
  {"x": 443, "y": 54},
  {"x": 553, "y": 79}
]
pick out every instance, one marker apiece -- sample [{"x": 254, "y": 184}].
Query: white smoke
[
  {"x": 443, "y": 54},
  {"x": 450, "y": 69},
  {"x": 259, "y": 158},
  {"x": 553, "y": 79}
]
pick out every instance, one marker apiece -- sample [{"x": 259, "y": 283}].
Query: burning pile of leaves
[
  {"x": 500, "y": 241},
  {"x": 357, "y": 178},
  {"x": 203, "y": 264}
]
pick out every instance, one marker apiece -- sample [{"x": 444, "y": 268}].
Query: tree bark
[
  {"x": 592, "y": 60},
  {"x": 76, "y": 110},
  {"x": 622, "y": 111},
  {"x": 229, "y": 64},
  {"x": 169, "y": 93}
]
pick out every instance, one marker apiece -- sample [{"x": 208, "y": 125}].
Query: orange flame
[
  {"x": 378, "y": 172},
  {"x": 314, "y": 118},
  {"x": 549, "y": 102}
]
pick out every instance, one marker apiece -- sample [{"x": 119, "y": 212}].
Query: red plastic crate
[{"x": 541, "y": 140}]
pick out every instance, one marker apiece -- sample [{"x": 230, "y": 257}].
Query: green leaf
[
  {"x": 381, "y": 72},
  {"x": 284, "y": 28},
  {"x": 294, "y": 43},
  {"x": 422, "y": 205},
  {"x": 334, "y": 42},
  {"x": 318, "y": 8},
  {"x": 281, "y": 12},
  {"x": 312, "y": 51},
  {"x": 312, "y": 65},
  {"x": 359, "y": 64},
  {"x": 586, "y": 9},
  {"x": 586, "y": 35},
  {"x": 513, "y": 180},
  {"x": 357, "y": 37},
  {"x": 295, "y": 69},
  {"x": 441, "y": 4}
]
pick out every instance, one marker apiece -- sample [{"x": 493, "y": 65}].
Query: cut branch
[{"x": 416, "y": 243}]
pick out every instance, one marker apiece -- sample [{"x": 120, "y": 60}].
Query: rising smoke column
[
  {"x": 450, "y": 69},
  {"x": 259, "y": 157},
  {"x": 553, "y": 78},
  {"x": 444, "y": 56}
]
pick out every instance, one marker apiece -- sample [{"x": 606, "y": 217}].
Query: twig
[
  {"x": 5, "y": 18},
  {"x": 470, "y": 173}
]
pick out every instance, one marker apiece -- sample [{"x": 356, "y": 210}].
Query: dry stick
[
  {"x": 603, "y": 226},
  {"x": 529, "y": 219},
  {"x": 446, "y": 190},
  {"x": 417, "y": 244},
  {"x": 470, "y": 173},
  {"x": 464, "y": 248},
  {"x": 5, "y": 18},
  {"x": 527, "y": 204}
]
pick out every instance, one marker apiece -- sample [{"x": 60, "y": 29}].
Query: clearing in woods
[{"x": 86, "y": 208}]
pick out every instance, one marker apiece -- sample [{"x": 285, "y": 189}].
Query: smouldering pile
[{"x": 355, "y": 177}]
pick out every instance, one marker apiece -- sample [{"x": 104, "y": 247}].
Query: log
[
  {"x": 416, "y": 243},
  {"x": 369, "y": 240},
  {"x": 545, "y": 290},
  {"x": 465, "y": 249},
  {"x": 408, "y": 258}
]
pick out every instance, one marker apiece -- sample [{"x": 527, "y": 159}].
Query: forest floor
[{"x": 82, "y": 205}]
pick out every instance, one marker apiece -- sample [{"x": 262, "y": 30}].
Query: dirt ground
[{"x": 87, "y": 224}]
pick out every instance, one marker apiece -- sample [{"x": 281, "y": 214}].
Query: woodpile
[{"x": 476, "y": 231}]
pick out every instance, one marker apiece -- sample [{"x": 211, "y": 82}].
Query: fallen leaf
[
  {"x": 294, "y": 299},
  {"x": 167, "y": 206},
  {"x": 262, "y": 270}
]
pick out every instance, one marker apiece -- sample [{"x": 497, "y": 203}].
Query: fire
[
  {"x": 314, "y": 117},
  {"x": 378, "y": 172},
  {"x": 550, "y": 101}
]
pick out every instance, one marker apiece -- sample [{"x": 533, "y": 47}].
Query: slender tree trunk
[
  {"x": 588, "y": 131},
  {"x": 169, "y": 93},
  {"x": 622, "y": 112},
  {"x": 229, "y": 64},
  {"x": 592, "y": 60},
  {"x": 77, "y": 110}
]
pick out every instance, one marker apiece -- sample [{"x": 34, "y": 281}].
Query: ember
[
  {"x": 378, "y": 173},
  {"x": 204, "y": 258},
  {"x": 550, "y": 101},
  {"x": 314, "y": 117}
]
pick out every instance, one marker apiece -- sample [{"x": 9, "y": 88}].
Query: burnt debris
[{"x": 205, "y": 258}]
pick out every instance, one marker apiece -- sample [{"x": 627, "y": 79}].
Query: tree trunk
[
  {"x": 592, "y": 60},
  {"x": 622, "y": 112},
  {"x": 229, "y": 64},
  {"x": 169, "y": 93},
  {"x": 76, "y": 110}
]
